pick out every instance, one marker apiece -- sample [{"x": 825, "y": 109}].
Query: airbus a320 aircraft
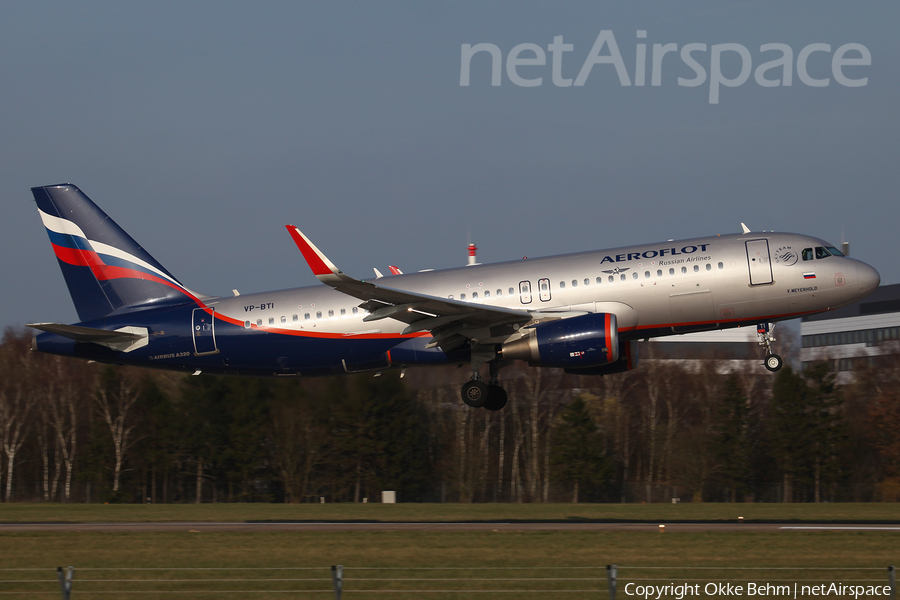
[{"x": 581, "y": 312}]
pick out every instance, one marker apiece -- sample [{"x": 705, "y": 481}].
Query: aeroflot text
[{"x": 779, "y": 64}]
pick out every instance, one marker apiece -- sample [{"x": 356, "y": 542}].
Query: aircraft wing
[{"x": 451, "y": 322}]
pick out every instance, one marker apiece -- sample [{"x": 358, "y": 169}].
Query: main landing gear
[
  {"x": 478, "y": 394},
  {"x": 772, "y": 361}
]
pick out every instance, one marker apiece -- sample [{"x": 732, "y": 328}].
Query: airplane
[{"x": 580, "y": 312}]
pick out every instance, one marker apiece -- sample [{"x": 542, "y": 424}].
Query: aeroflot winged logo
[{"x": 787, "y": 256}]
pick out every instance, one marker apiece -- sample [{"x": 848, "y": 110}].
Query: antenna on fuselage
[{"x": 745, "y": 228}]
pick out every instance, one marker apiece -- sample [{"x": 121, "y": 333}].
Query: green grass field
[{"x": 475, "y": 564}]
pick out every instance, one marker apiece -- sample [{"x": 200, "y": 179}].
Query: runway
[{"x": 527, "y": 526}]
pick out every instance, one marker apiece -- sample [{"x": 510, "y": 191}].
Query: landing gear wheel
[
  {"x": 496, "y": 399},
  {"x": 773, "y": 362},
  {"x": 475, "y": 393}
]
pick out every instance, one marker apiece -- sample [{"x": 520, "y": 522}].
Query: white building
[{"x": 859, "y": 332}]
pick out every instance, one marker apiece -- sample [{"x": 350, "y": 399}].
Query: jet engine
[
  {"x": 628, "y": 359},
  {"x": 575, "y": 343}
]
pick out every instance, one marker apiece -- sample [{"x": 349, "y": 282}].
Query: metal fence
[{"x": 337, "y": 581}]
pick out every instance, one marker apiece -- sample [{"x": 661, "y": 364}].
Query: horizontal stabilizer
[{"x": 124, "y": 339}]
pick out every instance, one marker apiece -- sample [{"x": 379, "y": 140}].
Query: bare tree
[
  {"x": 115, "y": 399},
  {"x": 498, "y": 491},
  {"x": 63, "y": 398},
  {"x": 537, "y": 384},
  {"x": 655, "y": 389},
  {"x": 16, "y": 402}
]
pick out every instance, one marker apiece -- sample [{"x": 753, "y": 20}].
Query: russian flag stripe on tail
[{"x": 105, "y": 269}]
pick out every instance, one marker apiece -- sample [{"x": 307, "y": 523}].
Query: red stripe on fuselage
[{"x": 323, "y": 334}]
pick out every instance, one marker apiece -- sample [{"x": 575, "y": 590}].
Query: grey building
[{"x": 732, "y": 350}]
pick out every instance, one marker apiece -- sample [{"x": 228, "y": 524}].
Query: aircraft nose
[{"x": 868, "y": 279}]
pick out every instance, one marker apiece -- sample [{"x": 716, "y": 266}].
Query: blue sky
[{"x": 203, "y": 128}]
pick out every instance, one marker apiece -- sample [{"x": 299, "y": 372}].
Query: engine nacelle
[
  {"x": 578, "y": 342},
  {"x": 628, "y": 359}
]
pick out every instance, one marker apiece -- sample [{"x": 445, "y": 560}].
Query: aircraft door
[
  {"x": 544, "y": 289},
  {"x": 525, "y": 292},
  {"x": 758, "y": 262},
  {"x": 204, "y": 330}
]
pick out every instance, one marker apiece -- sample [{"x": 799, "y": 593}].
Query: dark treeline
[{"x": 78, "y": 432}]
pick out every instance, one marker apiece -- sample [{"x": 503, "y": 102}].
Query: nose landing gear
[{"x": 772, "y": 362}]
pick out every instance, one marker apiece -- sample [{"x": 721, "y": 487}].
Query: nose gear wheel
[{"x": 772, "y": 361}]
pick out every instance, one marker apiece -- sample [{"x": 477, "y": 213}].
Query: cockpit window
[
  {"x": 834, "y": 251},
  {"x": 822, "y": 252},
  {"x": 807, "y": 254}
]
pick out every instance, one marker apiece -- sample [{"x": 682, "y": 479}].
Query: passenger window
[
  {"x": 246, "y": 324},
  {"x": 696, "y": 268},
  {"x": 271, "y": 320},
  {"x": 807, "y": 254},
  {"x": 683, "y": 270},
  {"x": 646, "y": 274},
  {"x": 544, "y": 285},
  {"x": 487, "y": 293},
  {"x": 671, "y": 271},
  {"x": 474, "y": 295},
  {"x": 259, "y": 322},
  {"x": 634, "y": 275},
  {"x": 318, "y": 314},
  {"x": 659, "y": 273},
  {"x": 574, "y": 283},
  {"x": 343, "y": 312},
  {"x": 599, "y": 280},
  {"x": 306, "y": 317},
  {"x": 562, "y": 285},
  {"x": 330, "y": 314},
  {"x": 284, "y": 319},
  {"x": 462, "y": 296},
  {"x": 512, "y": 291},
  {"x": 708, "y": 267},
  {"x": 499, "y": 292},
  {"x": 587, "y": 281},
  {"x": 622, "y": 277},
  {"x": 295, "y": 318},
  {"x": 355, "y": 310},
  {"x": 450, "y": 296},
  {"x": 611, "y": 278},
  {"x": 721, "y": 266}
]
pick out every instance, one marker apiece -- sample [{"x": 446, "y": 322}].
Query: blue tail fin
[{"x": 105, "y": 269}]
